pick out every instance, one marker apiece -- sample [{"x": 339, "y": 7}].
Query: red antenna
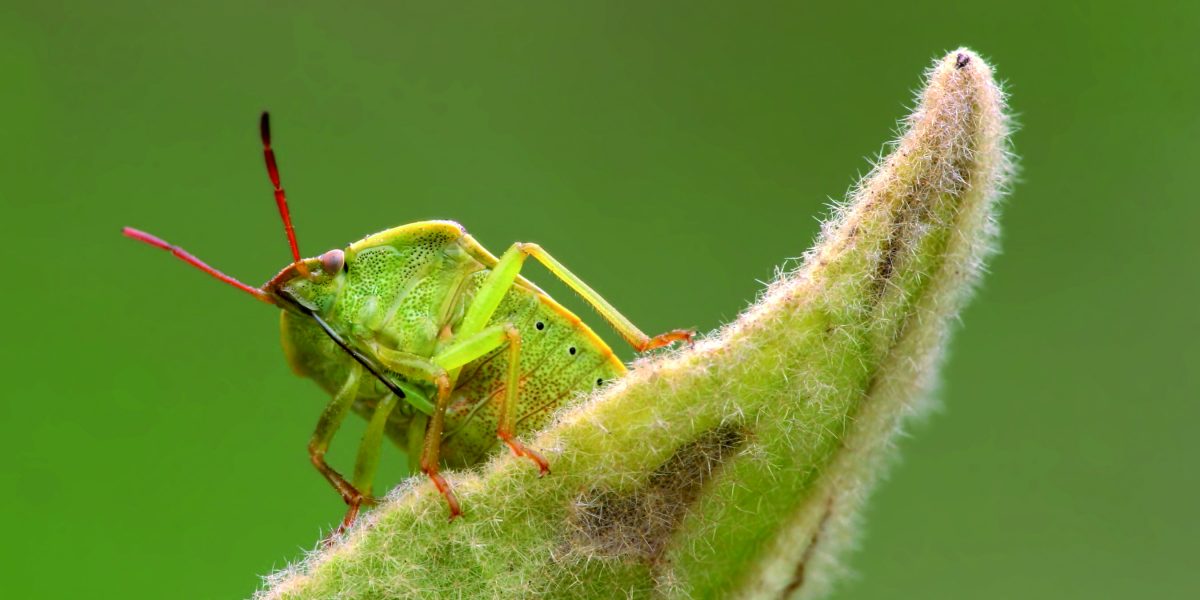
[
  {"x": 280, "y": 201},
  {"x": 264, "y": 127},
  {"x": 187, "y": 257}
]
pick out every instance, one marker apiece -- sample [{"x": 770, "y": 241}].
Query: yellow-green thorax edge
[{"x": 440, "y": 345}]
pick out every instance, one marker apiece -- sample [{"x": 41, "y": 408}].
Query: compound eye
[{"x": 333, "y": 261}]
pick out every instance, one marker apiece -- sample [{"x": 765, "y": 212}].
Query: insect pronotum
[{"x": 439, "y": 344}]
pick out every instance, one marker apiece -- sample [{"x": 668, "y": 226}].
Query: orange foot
[
  {"x": 519, "y": 449},
  {"x": 444, "y": 487},
  {"x": 355, "y": 502},
  {"x": 663, "y": 339}
]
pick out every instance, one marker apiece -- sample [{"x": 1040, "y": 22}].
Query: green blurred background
[{"x": 673, "y": 155}]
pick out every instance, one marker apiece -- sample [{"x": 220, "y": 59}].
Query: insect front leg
[
  {"x": 331, "y": 418},
  {"x": 510, "y": 263}
]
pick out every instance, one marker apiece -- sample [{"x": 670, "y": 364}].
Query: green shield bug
[{"x": 441, "y": 345}]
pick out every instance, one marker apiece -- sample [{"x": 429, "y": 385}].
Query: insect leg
[
  {"x": 640, "y": 341},
  {"x": 467, "y": 349},
  {"x": 433, "y": 446},
  {"x": 627, "y": 330},
  {"x": 415, "y": 440},
  {"x": 368, "y": 456},
  {"x": 491, "y": 292},
  {"x": 331, "y": 418},
  {"x": 421, "y": 368},
  {"x": 509, "y": 407},
  {"x": 478, "y": 345}
]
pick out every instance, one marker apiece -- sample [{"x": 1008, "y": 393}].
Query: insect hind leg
[{"x": 505, "y": 270}]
